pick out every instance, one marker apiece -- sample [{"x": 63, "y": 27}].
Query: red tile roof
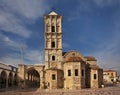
[{"x": 109, "y": 71}]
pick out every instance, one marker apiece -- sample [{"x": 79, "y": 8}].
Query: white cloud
[
  {"x": 65, "y": 45},
  {"x": 31, "y": 9},
  {"x": 108, "y": 60},
  {"x": 34, "y": 56},
  {"x": 15, "y": 14},
  {"x": 103, "y": 3},
  {"x": 7, "y": 42},
  {"x": 10, "y": 23},
  {"x": 109, "y": 54},
  {"x": 11, "y": 61},
  {"x": 87, "y": 6},
  {"x": 29, "y": 57}
]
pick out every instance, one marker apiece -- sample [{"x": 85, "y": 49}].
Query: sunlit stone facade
[
  {"x": 8, "y": 76},
  {"x": 109, "y": 76},
  {"x": 61, "y": 70}
]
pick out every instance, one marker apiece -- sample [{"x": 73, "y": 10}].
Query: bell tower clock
[{"x": 53, "y": 40}]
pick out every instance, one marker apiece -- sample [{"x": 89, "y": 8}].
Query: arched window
[
  {"x": 53, "y": 29},
  {"x": 53, "y": 44},
  {"x": 53, "y": 58}
]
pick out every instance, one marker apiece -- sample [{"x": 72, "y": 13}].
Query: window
[
  {"x": 53, "y": 28},
  {"x": 53, "y": 58},
  {"x": 53, "y": 44},
  {"x": 76, "y": 72},
  {"x": 73, "y": 54},
  {"x": 95, "y": 76},
  {"x": 53, "y": 77},
  {"x": 82, "y": 73},
  {"x": 111, "y": 74},
  {"x": 69, "y": 72}
]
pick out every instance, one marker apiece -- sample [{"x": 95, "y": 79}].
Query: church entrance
[{"x": 32, "y": 78}]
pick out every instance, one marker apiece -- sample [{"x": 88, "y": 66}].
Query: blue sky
[{"x": 91, "y": 27}]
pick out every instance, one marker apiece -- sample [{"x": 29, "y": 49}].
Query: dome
[{"x": 73, "y": 59}]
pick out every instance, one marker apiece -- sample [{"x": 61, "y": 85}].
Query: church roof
[
  {"x": 74, "y": 59},
  {"x": 53, "y": 13},
  {"x": 109, "y": 71},
  {"x": 94, "y": 67}
]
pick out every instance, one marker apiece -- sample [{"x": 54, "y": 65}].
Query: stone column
[
  {"x": 12, "y": 82},
  {"x": 41, "y": 80},
  {"x": 28, "y": 76},
  {"x": 6, "y": 82}
]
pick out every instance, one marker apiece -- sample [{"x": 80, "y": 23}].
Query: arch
[
  {"x": 32, "y": 78},
  {"x": 3, "y": 79},
  {"x": 10, "y": 79}
]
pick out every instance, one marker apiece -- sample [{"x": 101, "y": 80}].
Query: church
[{"x": 60, "y": 70}]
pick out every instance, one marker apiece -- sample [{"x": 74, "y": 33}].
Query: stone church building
[{"x": 61, "y": 70}]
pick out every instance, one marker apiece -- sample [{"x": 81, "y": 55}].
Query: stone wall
[
  {"x": 74, "y": 81},
  {"x": 54, "y": 78}
]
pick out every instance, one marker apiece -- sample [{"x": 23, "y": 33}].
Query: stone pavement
[{"x": 101, "y": 91}]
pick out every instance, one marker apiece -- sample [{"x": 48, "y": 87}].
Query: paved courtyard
[{"x": 110, "y": 90}]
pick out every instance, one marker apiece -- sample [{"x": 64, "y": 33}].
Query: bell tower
[{"x": 53, "y": 40}]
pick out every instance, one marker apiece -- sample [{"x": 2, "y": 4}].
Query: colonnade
[
  {"x": 8, "y": 79},
  {"x": 32, "y": 79}
]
